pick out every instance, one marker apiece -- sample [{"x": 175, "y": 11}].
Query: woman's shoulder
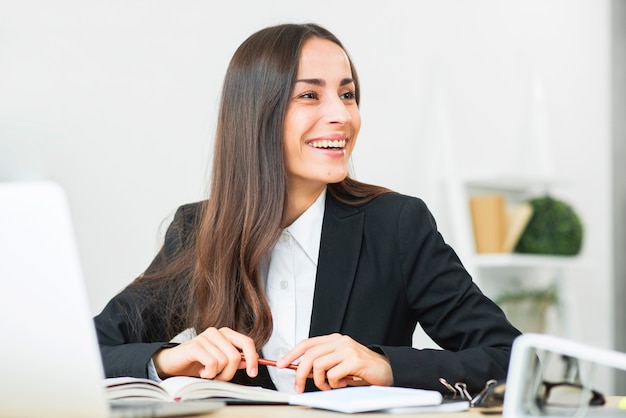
[
  {"x": 189, "y": 211},
  {"x": 399, "y": 209},
  {"x": 387, "y": 206},
  {"x": 394, "y": 201},
  {"x": 399, "y": 198},
  {"x": 183, "y": 226},
  {"x": 188, "y": 215}
]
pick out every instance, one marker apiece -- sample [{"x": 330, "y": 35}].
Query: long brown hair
[{"x": 242, "y": 219}]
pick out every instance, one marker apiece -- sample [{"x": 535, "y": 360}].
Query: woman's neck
[{"x": 298, "y": 201}]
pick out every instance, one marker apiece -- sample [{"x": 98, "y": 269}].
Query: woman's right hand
[{"x": 213, "y": 354}]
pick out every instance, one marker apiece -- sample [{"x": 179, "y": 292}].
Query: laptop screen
[{"x": 50, "y": 362}]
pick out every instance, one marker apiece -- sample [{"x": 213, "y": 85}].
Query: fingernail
[
  {"x": 253, "y": 372},
  {"x": 296, "y": 388}
]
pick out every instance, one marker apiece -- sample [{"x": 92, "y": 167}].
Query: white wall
[
  {"x": 117, "y": 101},
  {"x": 618, "y": 87}
]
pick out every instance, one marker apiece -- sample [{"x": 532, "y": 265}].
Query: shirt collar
[{"x": 307, "y": 229}]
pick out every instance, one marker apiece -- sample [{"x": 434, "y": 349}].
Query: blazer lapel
[{"x": 342, "y": 231}]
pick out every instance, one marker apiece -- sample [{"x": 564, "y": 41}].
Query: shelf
[
  {"x": 523, "y": 260},
  {"x": 514, "y": 184}
]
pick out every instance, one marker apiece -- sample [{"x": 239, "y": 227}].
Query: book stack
[{"x": 497, "y": 225}]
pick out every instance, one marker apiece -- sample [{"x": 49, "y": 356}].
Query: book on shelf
[
  {"x": 184, "y": 388},
  {"x": 517, "y": 217},
  {"x": 497, "y": 226},
  {"x": 489, "y": 222}
]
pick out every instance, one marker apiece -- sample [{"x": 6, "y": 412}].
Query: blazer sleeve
[
  {"x": 132, "y": 327},
  {"x": 473, "y": 332}
]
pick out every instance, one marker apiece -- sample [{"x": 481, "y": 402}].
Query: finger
[
  {"x": 249, "y": 360},
  {"x": 337, "y": 376},
  {"x": 319, "y": 377},
  {"x": 308, "y": 350},
  {"x": 209, "y": 355},
  {"x": 333, "y": 368},
  {"x": 337, "y": 383},
  {"x": 303, "y": 372},
  {"x": 227, "y": 358},
  {"x": 195, "y": 359},
  {"x": 211, "y": 358},
  {"x": 304, "y": 346},
  {"x": 228, "y": 354},
  {"x": 247, "y": 347},
  {"x": 293, "y": 354}
]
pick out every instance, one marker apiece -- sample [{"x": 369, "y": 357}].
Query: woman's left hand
[{"x": 331, "y": 358}]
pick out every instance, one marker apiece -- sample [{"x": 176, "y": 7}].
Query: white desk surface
[{"x": 288, "y": 411}]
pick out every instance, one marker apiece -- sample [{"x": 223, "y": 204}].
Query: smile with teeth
[{"x": 336, "y": 144}]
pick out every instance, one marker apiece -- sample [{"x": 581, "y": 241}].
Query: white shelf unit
[
  {"x": 523, "y": 260},
  {"x": 531, "y": 174},
  {"x": 498, "y": 272}
]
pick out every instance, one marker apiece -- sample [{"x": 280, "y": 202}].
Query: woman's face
[{"x": 322, "y": 119}]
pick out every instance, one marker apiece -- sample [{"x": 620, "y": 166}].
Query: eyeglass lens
[{"x": 568, "y": 394}]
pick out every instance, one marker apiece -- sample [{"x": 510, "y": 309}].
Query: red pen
[
  {"x": 266, "y": 362},
  {"x": 293, "y": 366}
]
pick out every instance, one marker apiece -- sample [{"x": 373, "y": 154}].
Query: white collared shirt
[{"x": 289, "y": 283}]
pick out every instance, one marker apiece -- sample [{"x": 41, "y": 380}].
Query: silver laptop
[{"x": 50, "y": 361}]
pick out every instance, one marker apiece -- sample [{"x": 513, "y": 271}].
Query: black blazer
[{"x": 383, "y": 267}]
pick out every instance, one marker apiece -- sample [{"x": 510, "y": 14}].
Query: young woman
[{"x": 292, "y": 259}]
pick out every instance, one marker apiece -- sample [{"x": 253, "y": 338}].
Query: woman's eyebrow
[{"x": 320, "y": 82}]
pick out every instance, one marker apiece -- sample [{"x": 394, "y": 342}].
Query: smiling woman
[
  {"x": 321, "y": 123},
  {"x": 291, "y": 258}
]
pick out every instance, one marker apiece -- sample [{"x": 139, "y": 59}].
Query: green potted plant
[
  {"x": 527, "y": 308},
  {"x": 553, "y": 229}
]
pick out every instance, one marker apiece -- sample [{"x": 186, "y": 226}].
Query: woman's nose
[{"x": 335, "y": 111}]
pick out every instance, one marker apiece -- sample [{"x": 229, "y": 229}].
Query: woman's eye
[
  {"x": 351, "y": 95},
  {"x": 308, "y": 95}
]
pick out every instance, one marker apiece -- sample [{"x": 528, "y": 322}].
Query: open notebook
[{"x": 50, "y": 364}]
